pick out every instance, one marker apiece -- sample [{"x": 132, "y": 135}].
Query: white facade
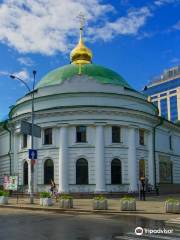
[{"x": 82, "y": 101}]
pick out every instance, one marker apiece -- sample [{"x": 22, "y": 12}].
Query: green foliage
[
  {"x": 173, "y": 200},
  {"x": 4, "y": 193},
  {"x": 45, "y": 195},
  {"x": 128, "y": 198},
  {"x": 65, "y": 196},
  {"x": 99, "y": 198}
]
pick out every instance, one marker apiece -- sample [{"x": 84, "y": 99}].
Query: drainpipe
[
  {"x": 161, "y": 120},
  {"x": 5, "y": 126}
]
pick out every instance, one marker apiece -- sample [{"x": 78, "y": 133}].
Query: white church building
[{"x": 98, "y": 134}]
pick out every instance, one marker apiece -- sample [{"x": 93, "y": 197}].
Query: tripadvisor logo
[{"x": 140, "y": 231}]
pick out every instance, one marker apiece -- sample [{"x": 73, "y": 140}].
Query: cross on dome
[
  {"x": 81, "y": 19},
  {"x": 81, "y": 54}
]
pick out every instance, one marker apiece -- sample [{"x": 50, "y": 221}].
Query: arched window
[
  {"x": 25, "y": 171},
  {"x": 141, "y": 168},
  {"x": 116, "y": 177},
  {"x": 48, "y": 171},
  {"x": 81, "y": 171}
]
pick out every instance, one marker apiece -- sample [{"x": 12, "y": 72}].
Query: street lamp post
[{"x": 31, "y": 177}]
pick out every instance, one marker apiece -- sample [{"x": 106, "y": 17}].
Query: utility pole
[{"x": 31, "y": 177}]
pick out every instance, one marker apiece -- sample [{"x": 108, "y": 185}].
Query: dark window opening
[
  {"x": 141, "y": 136},
  {"x": 116, "y": 134},
  {"x": 170, "y": 142},
  {"x": 24, "y": 142},
  {"x": 25, "y": 180},
  {"x": 48, "y": 171},
  {"x": 81, "y": 134},
  {"x": 48, "y": 136},
  {"x": 116, "y": 177},
  {"x": 82, "y": 171}
]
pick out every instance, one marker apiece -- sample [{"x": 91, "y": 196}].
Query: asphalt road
[{"x": 33, "y": 225}]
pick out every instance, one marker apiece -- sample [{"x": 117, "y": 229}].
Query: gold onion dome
[{"x": 81, "y": 54}]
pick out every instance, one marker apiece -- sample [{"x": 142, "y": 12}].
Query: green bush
[
  {"x": 99, "y": 198},
  {"x": 172, "y": 200},
  {"x": 4, "y": 193},
  {"x": 129, "y": 198},
  {"x": 45, "y": 195},
  {"x": 65, "y": 196}
]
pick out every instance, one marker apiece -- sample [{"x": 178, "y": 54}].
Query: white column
[
  {"x": 168, "y": 108},
  {"x": 63, "y": 160},
  {"x": 150, "y": 159},
  {"x": 132, "y": 162},
  {"x": 159, "y": 105},
  {"x": 15, "y": 156},
  {"x": 100, "y": 162}
]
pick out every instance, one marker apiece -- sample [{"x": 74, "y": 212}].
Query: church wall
[
  {"x": 176, "y": 169},
  {"x": 4, "y": 143},
  {"x": 4, "y": 157},
  {"x": 175, "y": 143},
  {"x": 122, "y": 155},
  {"x": 89, "y": 117},
  {"x": 165, "y": 153},
  {"x": 4, "y": 167}
]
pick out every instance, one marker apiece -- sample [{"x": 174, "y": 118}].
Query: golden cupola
[{"x": 81, "y": 54}]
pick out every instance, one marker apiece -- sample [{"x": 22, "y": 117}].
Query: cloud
[
  {"x": 45, "y": 26},
  {"x": 175, "y": 60},
  {"x": 128, "y": 25},
  {"x": 177, "y": 26},
  {"x": 49, "y": 26},
  {"x": 4, "y": 73},
  {"x": 26, "y": 61},
  {"x": 23, "y": 74},
  {"x": 163, "y": 2}
]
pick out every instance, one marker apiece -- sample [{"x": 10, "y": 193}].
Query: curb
[{"x": 80, "y": 211}]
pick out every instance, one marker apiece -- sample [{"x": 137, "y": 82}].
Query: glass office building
[{"x": 165, "y": 93}]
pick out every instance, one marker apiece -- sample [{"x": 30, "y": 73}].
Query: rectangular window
[
  {"x": 170, "y": 142},
  {"x": 48, "y": 136},
  {"x": 164, "y": 110},
  {"x": 165, "y": 172},
  {"x": 163, "y": 94},
  {"x": 173, "y": 108},
  {"x": 141, "y": 137},
  {"x": 24, "y": 141},
  {"x": 80, "y": 134},
  {"x": 173, "y": 91},
  {"x": 116, "y": 134}
]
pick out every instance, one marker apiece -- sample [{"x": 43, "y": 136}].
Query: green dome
[{"x": 101, "y": 74}]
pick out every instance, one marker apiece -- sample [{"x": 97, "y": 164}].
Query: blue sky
[{"x": 136, "y": 38}]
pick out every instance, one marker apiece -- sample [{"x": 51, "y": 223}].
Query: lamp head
[{"x": 12, "y": 76}]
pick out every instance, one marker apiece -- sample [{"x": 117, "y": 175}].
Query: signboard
[
  {"x": 26, "y": 128},
  {"x": 32, "y": 154},
  {"x": 10, "y": 183}
]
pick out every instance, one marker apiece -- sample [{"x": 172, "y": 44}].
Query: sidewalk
[{"x": 153, "y": 207}]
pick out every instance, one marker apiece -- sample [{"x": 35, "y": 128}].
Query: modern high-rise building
[{"x": 164, "y": 91}]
